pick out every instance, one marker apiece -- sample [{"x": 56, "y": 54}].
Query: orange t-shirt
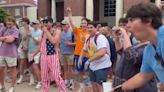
[{"x": 81, "y": 36}]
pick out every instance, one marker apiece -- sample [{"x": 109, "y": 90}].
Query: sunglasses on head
[
  {"x": 159, "y": 58},
  {"x": 45, "y": 21}
]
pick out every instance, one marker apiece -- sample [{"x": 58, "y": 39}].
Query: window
[
  {"x": 109, "y": 8},
  {"x": 17, "y": 12}
]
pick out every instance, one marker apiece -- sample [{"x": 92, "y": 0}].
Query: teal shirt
[
  {"x": 32, "y": 45},
  {"x": 150, "y": 64}
]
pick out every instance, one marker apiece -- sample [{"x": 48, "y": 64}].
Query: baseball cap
[
  {"x": 36, "y": 22},
  {"x": 48, "y": 19},
  {"x": 64, "y": 22}
]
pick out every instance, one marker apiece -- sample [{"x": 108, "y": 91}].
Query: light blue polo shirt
[
  {"x": 32, "y": 45},
  {"x": 150, "y": 64}
]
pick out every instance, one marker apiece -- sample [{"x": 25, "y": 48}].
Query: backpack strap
[{"x": 95, "y": 38}]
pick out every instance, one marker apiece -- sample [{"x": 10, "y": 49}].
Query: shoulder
[
  {"x": 101, "y": 36},
  {"x": 161, "y": 30},
  {"x": 3, "y": 28},
  {"x": 148, "y": 49},
  {"x": 77, "y": 29},
  {"x": 57, "y": 31},
  {"x": 15, "y": 29},
  {"x": 40, "y": 31}
]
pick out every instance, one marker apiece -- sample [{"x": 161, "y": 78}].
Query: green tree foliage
[{"x": 3, "y": 14}]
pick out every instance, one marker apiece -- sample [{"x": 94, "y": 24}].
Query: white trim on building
[
  {"x": 89, "y": 9},
  {"x": 53, "y": 10},
  {"x": 18, "y": 4}
]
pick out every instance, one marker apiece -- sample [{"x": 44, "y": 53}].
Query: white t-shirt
[{"x": 92, "y": 47}]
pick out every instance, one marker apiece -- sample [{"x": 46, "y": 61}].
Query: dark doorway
[
  {"x": 59, "y": 11},
  {"x": 96, "y": 10}
]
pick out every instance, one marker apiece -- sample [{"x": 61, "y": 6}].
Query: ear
[{"x": 148, "y": 22}]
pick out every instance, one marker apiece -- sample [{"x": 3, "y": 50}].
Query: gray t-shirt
[
  {"x": 66, "y": 36},
  {"x": 92, "y": 47},
  {"x": 9, "y": 49}
]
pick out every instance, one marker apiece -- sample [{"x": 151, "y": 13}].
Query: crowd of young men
[{"x": 90, "y": 50}]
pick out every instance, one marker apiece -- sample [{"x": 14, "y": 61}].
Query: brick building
[
  {"x": 18, "y": 8},
  {"x": 104, "y": 11}
]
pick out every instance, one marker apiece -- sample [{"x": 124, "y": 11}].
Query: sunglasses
[
  {"x": 45, "y": 22},
  {"x": 159, "y": 58}
]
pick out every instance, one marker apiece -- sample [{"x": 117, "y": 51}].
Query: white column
[
  {"x": 53, "y": 10},
  {"x": 158, "y": 3},
  {"x": 119, "y": 10},
  {"x": 89, "y": 9},
  {"x": 23, "y": 11}
]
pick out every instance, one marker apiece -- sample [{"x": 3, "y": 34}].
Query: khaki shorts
[
  {"x": 22, "y": 54},
  {"x": 67, "y": 59},
  {"x": 8, "y": 61},
  {"x": 36, "y": 58}
]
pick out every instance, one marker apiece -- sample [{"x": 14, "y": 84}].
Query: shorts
[
  {"x": 84, "y": 60},
  {"x": 36, "y": 58},
  {"x": 99, "y": 76},
  {"x": 8, "y": 61},
  {"x": 67, "y": 59},
  {"x": 22, "y": 54}
]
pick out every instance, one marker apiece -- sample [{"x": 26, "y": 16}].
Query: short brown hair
[
  {"x": 146, "y": 11},
  {"x": 86, "y": 19},
  {"x": 26, "y": 20},
  {"x": 10, "y": 18}
]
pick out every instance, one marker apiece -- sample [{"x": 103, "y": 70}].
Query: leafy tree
[{"x": 3, "y": 14}]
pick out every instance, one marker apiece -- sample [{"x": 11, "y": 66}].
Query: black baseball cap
[{"x": 48, "y": 19}]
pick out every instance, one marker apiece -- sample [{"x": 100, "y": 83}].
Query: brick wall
[
  {"x": 44, "y": 8},
  {"x": 129, "y": 3},
  {"x": 77, "y": 6}
]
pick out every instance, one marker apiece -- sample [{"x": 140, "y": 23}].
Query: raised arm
[{"x": 69, "y": 11}]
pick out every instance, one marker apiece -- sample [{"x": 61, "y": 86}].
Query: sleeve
[
  {"x": 75, "y": 30},
  {"x": 160, "y": 47},
  {"x": 134, "y": 54},
  {"x": 1, "y": 29},
  {"x": 145, "y": 68},
  {"x": 85, "y": 46},
  {"x": 14, "y": 33},
  {"x": 102, "y": 42},
  {"x": 160, "y": 42},
  {"x": 40, "y": 34}
]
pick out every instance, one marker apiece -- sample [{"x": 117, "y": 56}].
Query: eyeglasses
[{"x": 159, "y": 58}]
